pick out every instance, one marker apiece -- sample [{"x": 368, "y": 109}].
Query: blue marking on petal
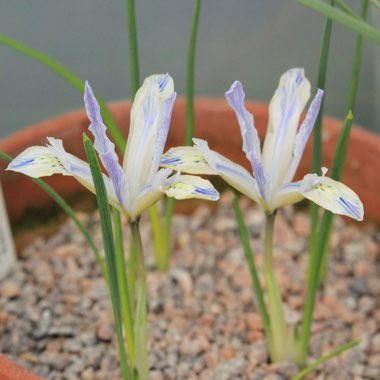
[
  {"x": 171, "y": 160},
  {"x": 21, "y": 162},
  {"x": 163, "y": 80},
  {"x": 351, "y": 207},
  {"x": 207, "y": 192}
]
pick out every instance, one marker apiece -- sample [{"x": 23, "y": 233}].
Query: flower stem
[
  {"x": 125, "y": 301},
  {"x": 140, "y": 322},
  {"x": 252, "y": 266},
  {"x": 278, "y": 337}
]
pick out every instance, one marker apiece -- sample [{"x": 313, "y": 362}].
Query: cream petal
[
  {"x": 285, "y": 110},
  {"x": 232, "y": 173},
  {"x": 332, "y": 195},
  {"x": 188, "y": 186},
  {"x": 335, "y": 197},
  {"x": 81, "y": 171},
  {"x": 303, "y": 135},
  {"x": 150, "y": 118},
  {"x": 186, "y": 159},
  {"x": 37, "y": 161}
]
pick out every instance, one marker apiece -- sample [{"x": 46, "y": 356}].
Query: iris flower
[
  {"x": 140, "y": 182},
  {"x": 274, "y": 166}
]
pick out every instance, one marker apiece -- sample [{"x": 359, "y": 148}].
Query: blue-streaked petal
[
  {"x": 304, "y": 133},
  {"x": 232, "y": 173},
  {"x": 103, "y": 145},
  {"x": 188, "y": 186},
  {"x": 150, "y": 115},
  {"x": 37, "y": 161},
  {"x": 332, "y": 195},
  {"x": 81, "y": 171},
  {"x": 285, "y": 110},
  {"x": 162, "y": 133},
  {"x": 251, "y": 141},
  {"x": 335, "y": 197},
  {"x": 150, "y": 193},
  {"x": 186, "y": 159}
]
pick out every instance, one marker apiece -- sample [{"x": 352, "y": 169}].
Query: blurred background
[{"x": 253, "y": 41}]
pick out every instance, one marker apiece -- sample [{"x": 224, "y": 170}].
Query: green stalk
[
  {"x": 109, "y": 249},
  {"x": 70, "y": 78},
  {"x": 317, "y": 141},
  {"x": 323, "y": 245},
  {"x": 140, "y": 323},
  {"x": 279, "y": 336},
  {"x": 190, "y": 74},
  {"x": 154, "y": 215},
  {"x": 162, "y": 243},
  {"x": 337, "y": 351},
  {"x": 346, "y": 8},
  {"x": 70, "y": 213},
  {"x": 252, "y": 267},
  {"x": 162, "y": 255},
  {"x": 125, "y": 301},
  {"x": 375, "y": 3},
  {"x": 317, "y": 258},
  {"x": 357, "y": 25},
  {"x": 133, "y": 49},
  {"x": 159, "y": 248},
  {"x": 340, "y": 153},
  {"x": 132, "y": 275}
]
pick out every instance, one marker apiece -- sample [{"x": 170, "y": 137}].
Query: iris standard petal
[
  {"x": 303, "y": 135},
  {"x": 285, "y": 110},
  {"x": 188, "y": 186},
  {"x": 104, "y": 147},
  {"x": 251, "y": 141},
  {"x": 186, "y": 159},
  {"x": 232, "y": 173},
  {"x": 149, "y": 113},
  {"x": 162, "y": 133}
]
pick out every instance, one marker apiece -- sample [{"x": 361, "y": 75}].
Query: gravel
[{"x": 56, "y": 318}]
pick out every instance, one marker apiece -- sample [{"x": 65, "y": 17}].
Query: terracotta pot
[
  {"x": 215, "y": 122},
  {"x": 11, "y": 371}
]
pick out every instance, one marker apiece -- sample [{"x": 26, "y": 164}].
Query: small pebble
[
  {"x": 56, "y": 316},
  {"x": 9, "y": 289}
]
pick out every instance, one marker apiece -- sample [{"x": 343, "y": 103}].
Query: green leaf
[
  {"x": 357, "y": 25},
  {"x": 251, "y": 265},
  {"x": 109, "y": 249},
  {"x": 311, "y": 367},
  {"x": 70, "y": 78}
]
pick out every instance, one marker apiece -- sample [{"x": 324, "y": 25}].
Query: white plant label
[{"x": 7, "y": 249}]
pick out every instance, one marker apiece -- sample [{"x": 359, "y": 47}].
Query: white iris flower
[
  {"x": 275, "y": 165},
  {"x": 140, "y": 182}
]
